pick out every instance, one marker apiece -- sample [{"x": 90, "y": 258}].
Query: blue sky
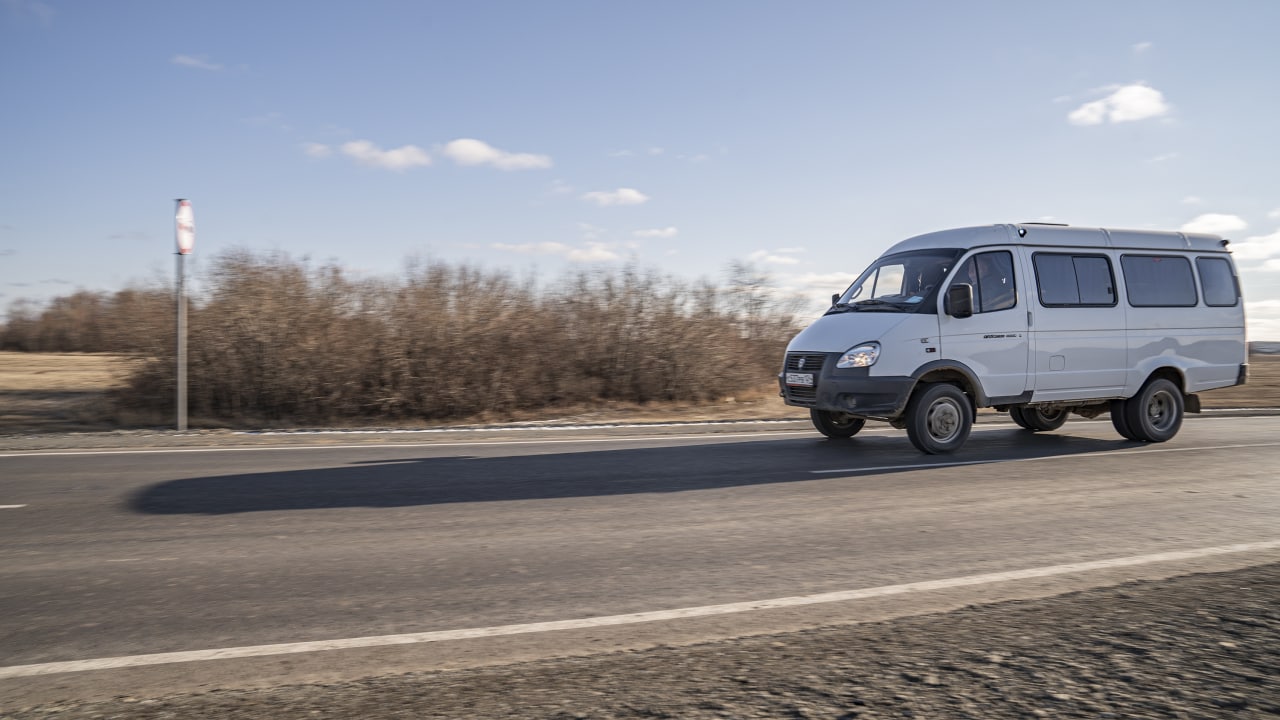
[{"x": 544, "y": 136}]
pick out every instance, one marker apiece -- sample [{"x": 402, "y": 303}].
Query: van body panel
[
  {"x": 1207, "y": 356},
  {"x": 959, "y": 237},
  {"x": 837, "y": 333},
  {"x": 1079, "y": 353}
]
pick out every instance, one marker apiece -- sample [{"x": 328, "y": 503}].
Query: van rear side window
[
  {"x": 1074, "y": 280},
  {"x": 1158, "y": 280},
  {"x": 1217, "y": 282}
]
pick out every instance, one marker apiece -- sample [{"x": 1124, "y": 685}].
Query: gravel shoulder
[{"x": 1196, "y": 646}]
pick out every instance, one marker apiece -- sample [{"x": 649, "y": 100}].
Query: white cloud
[
  {"x": 666, "y": 232},
  {"x": 769, "y": 258},
  {"x": 1263, "y": 320},
  {"x": 591, "y": 252},
  {"x": 317, "y": 150},
  {"x": 560, "y": 187},
  {"x": 1215, "y": 224},
  {"x": 790, "y": 250},
  {"x": 1258, "y": 247},
  {"x": 1139, "y": 48},
  {"x": 827, "y": 282},
  {"x": 621, "y": 196},
  {"x": 42, "y": 12},
  {"x": 1061, "y": 99},
  {"x": 1163, "y": 158},
  {"x": 655, "y": 151},
  {"x": 1274, "y": 214},
  {"x": 401, "y": 158},
  {"x": 469, "y": 151},
  {"x": 1125, "y": 104},
  {"x": 589, "y": 231},
  {"x": 192, "y": 61},
  {"x": 272, "y": 120},
  {"x": 1191, "y": 200},
  {"x": 621, "y": 153}
]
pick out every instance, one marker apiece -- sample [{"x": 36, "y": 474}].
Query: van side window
[
  {"x": 991, "y": 275},
  {"x": 1217, "y": 282},
  {"x": 1074, "y": 280},
  {"x": 1158, "y": 280}
]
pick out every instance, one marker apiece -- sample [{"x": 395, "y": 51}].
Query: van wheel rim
[
  {"x": 1161, "y": 410},
  {"x": 842, "y": 420},
  {"x": 943, "y": 420}
]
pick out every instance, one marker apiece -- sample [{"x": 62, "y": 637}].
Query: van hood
[{"x": 837, "y": 333}]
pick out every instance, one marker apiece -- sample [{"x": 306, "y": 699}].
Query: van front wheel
[
  {"x": 939, "y": 418},
  {"x": 1155, "y": 413},
  {"x": 836, "y": 425}
]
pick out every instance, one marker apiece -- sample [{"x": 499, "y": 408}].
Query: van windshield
[{"x": 902, "y": 282}]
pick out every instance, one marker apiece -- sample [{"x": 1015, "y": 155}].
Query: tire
[
  {"x": 1038, "y": 419},
  {"x": 1155, "y": 413},
  {"x": 939, "y": 418},
  {"x": 1119, "y": 422},
  {"x": 836, "y": 425}
]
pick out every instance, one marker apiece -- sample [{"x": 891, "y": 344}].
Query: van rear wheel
[
  {"x": 1119, "y": 422},
  {"x": 1155, "y": 413},
  {"x": 1037, "y": 419},
  {"x": 836, "y": 425},
  {"x": 939, "y": 418}
]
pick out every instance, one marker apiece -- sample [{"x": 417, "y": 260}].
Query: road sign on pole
[
  {"x": 185, "y": 228},
  {"x": 185, "y": 235}
]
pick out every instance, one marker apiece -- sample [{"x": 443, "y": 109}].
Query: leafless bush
[
  {"x": 277, "y": 339},
  {"x": 134, "y": 320}
]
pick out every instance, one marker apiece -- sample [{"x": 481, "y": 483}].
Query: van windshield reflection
[{"x": 902, "y": 282}]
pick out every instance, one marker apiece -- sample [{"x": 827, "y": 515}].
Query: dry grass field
[
  {"x": 67, "y": 392},
  {"x": 58, "y": 392}
]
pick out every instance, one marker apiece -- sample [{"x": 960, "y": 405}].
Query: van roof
[{"x": 1062, "y": 236}]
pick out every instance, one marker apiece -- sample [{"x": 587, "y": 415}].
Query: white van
[{"x": 1036, "y": 320}]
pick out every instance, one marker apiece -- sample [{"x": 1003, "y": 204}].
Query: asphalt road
[{"x": 118, "y": 554}]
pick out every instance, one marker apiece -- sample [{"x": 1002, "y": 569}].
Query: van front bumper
[{"x": 853, "y": 391}]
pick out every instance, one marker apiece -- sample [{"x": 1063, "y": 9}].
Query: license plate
[{"x": 802, "y": 379}]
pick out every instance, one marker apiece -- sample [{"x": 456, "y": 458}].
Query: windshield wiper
[{"x": 877, "y": 303}]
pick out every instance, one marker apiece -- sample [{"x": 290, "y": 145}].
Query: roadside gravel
[{"x": 1198, "y": 646}]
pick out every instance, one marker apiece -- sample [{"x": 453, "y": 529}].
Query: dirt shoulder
[{"x": 1198, "y": 646}]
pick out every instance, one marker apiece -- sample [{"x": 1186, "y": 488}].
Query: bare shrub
[{"x": 276, "y": 339}]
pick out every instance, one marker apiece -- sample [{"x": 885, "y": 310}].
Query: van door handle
[{"x": 1028, "y": 318}]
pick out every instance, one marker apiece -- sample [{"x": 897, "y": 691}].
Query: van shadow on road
[{"x": 471, "y": 479}]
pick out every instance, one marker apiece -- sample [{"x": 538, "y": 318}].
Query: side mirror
[
  {"x": 959, "y": 300},
  {"x": 835, "y": 298}
]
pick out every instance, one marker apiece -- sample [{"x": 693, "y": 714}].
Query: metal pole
[{"x": 182, "y": 346}]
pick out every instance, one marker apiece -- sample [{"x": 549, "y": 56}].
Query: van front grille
[{"x": 806, "y": 363}]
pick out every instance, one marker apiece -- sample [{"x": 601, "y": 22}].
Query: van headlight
[{"x": 864, "y": 355}]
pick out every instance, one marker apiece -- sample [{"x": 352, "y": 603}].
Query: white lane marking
[
  {"x": 109, "y": 663},
  {"x": 483, "y": 443},
  {"x": 11, "y": 507},
  {"x": 518, "y": 428},
  {"x": 996, "y": 461}
]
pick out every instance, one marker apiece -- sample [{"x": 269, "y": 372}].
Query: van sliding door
[{"x": 1079, "y": 327}]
